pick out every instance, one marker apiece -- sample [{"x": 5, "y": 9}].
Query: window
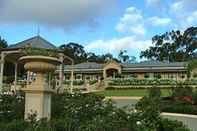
[
  {"x": 157, "y": 75},
  {"x": 146, "y": 75}
]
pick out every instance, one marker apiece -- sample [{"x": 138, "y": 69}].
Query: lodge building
[
  {"x": 92, "y": 70},
  {"x": 113, "y": 69}
]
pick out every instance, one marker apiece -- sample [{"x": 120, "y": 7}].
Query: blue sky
[{"x": 101, "y": 26}]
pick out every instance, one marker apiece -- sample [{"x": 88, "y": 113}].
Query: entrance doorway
[{"x": 112, "y": 73}]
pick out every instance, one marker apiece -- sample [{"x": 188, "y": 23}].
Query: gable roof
[
  {"x": 86, "y": 65},
  {"x": 34, "y": 42},
  {"x": 154, "y": 64}
]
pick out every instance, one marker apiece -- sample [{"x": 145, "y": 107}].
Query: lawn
[{"x": 131, "y": 92}]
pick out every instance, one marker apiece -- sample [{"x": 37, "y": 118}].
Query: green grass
[{"x": 131, "y": 92}]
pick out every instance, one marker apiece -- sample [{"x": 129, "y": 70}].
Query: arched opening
[{"x": 112, "y": 73}]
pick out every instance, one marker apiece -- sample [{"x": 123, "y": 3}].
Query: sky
[{"x": 101, "y": 26}]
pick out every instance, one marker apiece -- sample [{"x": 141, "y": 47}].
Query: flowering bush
[
  {"x": 88, "y": 112},
  {"x": 127, "y": 82}
]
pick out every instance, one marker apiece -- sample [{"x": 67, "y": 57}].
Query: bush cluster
[
  {"x": 86, "y": 112},
  {"x": 127, "y": 82}
]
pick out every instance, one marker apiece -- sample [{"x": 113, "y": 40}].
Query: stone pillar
[
  {"x": 38, "y": 98},
  {"x": 104, "y": 74},
  {"x": 1, "y": 71},
  {"x": 28, "y": 77},
  {"x": 61, "y": 70},
  {"x": 72, "y": 78},
  {"x": 15, "y": 75}
]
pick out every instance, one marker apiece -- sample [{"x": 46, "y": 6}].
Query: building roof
[
  {"x": 154, "y": 64},
  {"x": 34, "y": 42},
  {"x": 86, "y": 65}
]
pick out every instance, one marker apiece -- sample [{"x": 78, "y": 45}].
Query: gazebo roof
[{"x": 34, "y": 42}]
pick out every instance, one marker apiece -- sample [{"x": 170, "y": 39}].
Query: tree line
[{"x": 173, "y": 46}]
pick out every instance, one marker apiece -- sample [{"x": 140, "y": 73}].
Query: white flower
[{"x": 138, "y": 123}]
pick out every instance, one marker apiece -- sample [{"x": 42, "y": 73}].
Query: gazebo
[{"x": 14, "y": 52}]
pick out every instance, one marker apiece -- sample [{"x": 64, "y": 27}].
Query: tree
[
  {"x": 74, "y": 51},
  {"x": 3, "y": 43},
  {"x": 125, "y": 58},
  {"x": 173, "y": 46}
]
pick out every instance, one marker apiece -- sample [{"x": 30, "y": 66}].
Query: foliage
[
  {"x": 154, "y": 92},
  {"x": 123, "y": 57},
  {"x": 170, "y": 125},
  {"x": 8, "y": 79},
  {"x": 155, "y": 82},
  {"x": 91, "y": 82},
  {"x": 190, "y": 66},
  {"x": 173, "y": 46},
  {"x": 79, "y": 55},
  {"x": 149, "y": 108},
  {"x": 74, "y": 51},
  {"x": 89, "y": 112},
  {"x": 3, "y": 43},
  {"x": 149, "y": 112},
  {"x": 181, "y": 90},
  {"x": 178, "y": 107},
  {"x": 11, "y": 107},
  {"x": 194, "y": 97},
  {"x": 40, "y": 51}
]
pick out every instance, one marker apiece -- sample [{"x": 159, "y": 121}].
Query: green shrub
[
  {"x": 194, "y": 97},
  {"x": 178, "y": 107},
  {"x": 39, "y": 51},
  {"x": 181, "y": 90},
  {"x": 93, "y": 82},
  {"x": 154, "y": 92},
  {"x": 171, "y": 125},
  {"x": 11, "y": 107},
  {"x": 88, "y": 112}
]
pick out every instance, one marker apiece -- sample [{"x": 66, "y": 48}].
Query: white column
[
  {"x": 1, "y": 71},
  {"x": 72, "y": 78},
  {"x": 15, "y": 75},
  {"x": 28, "y": 77},
  {"x": 61, "y": 69}
]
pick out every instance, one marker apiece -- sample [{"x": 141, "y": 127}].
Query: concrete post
[
  {"x": 72, "y": 78},
  {"x": 28, "y": 77},
  {"x": 15, "y": 75},
  {"x": 1, "y": 71},
  {"x": 61, "y": 69}
]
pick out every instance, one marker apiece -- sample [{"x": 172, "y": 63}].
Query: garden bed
[
  {"x": 131, "y": 92},
  {"x": 149, "y": 82}
]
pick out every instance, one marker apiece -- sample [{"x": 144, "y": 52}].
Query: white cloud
[
  {"x": 184, "y": 12},
  {"x": 192, "y": 18},
  {"x": 54, "y": 13},
  {"x": 153, "y": 3},
  {"x": 189, "y": 20},
  {"x": 130, "y": 20},
  {"x": 183, "y": 5},
  {"x": 138, "y": 29},
  {"x": 117, "y": 44},
  {"x": 157, "y": 21},
  {"x": 177, "y": 6}
]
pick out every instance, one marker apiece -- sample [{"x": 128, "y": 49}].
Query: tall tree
[
  {"x": 173, "y": 46},
  {"x": 74, "y": 51},
  {"x": 123, "y": 56},
  {"x": 3, "y": 43}
]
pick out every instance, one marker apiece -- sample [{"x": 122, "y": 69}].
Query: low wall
[{"x": 189, "y": 120}]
